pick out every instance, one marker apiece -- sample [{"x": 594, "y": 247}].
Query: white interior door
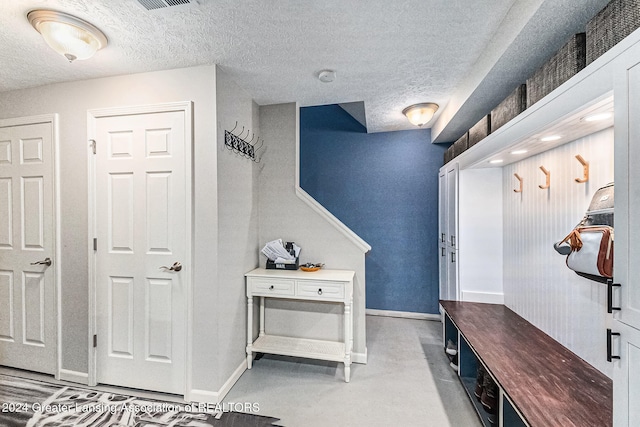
[
  {"x": 27, "y": 237},
  {"x": 141, "y": 217}
]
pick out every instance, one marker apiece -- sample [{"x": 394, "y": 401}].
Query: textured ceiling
[{"x": 388, "y": 54}]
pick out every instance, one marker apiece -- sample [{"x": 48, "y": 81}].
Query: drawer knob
[
  {"x": 319, "y": 291},
  {"x": 271, "y": 287}
]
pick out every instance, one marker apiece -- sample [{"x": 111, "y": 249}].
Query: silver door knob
[
  {"x": 175, "y": 267},
  {"x": 47, "y": 261}
]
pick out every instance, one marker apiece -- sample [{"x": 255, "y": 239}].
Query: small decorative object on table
[{"x": 311, "y": 267}]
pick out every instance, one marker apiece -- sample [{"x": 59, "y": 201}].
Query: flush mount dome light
[
  {"x": 420, "y": 114},
  {"x": 71, "y": 37},
  {"x": 597, "y": 117}
]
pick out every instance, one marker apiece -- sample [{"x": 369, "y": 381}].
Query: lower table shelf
[{"x": 299, "y": 347}]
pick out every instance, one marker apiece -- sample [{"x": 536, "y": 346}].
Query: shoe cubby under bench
[{"x": 540, "y": 382}]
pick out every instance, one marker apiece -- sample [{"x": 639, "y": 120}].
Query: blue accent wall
[{"x": 384, "y": 186}]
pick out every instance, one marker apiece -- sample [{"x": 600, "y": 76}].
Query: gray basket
[
  {"x": 616, "y": 21},
  {"x": 448, "y": 154},
  {"x": 461, "y": 145},
  {"x": 480, "y": 130},
  {"x": 509, "y": 108},
  {"x": 567, "y": 62}
]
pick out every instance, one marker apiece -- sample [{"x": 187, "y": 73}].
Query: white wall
[
  {"x": 71, "y": 101},
  {"x": 537, "y": 284},
  {"x": 284, "y": 215},
  {"x": 231, "y": 222},
  {"x": 237, "y": 225},
  {"x": 480, "y": 235}
]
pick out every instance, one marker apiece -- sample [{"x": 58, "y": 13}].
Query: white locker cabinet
[
  {"x": 625, "y": 353},
  {"x": 624, "y": 344},
  {"x": 448, "y": 231},
  {"x": 627, "y": 203}
]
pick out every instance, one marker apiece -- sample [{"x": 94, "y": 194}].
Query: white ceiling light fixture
[
  {"x": 597, "y": 117},
  {"x": 516, "y": 152},
  {"x": 550, "y": 138},
  {"x": 420, "y": 114},
  {"x": 71, "y": 37}
]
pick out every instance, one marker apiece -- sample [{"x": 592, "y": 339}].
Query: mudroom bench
[{"x": 540, "y": 382}]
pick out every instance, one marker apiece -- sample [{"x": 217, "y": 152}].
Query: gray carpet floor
[{"x": 407, "y": 382}]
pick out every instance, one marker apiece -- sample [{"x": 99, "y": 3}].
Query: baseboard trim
[
  {"x": 226, "y": 387},
  {"x": 207, "y": 396},
  {"x": 73, "y": 376},
  {"x": 360, "y": 357},
  {"x": 204, "y": 396},
  {"x": 486, "y": 297},
  {"x": 402, "y": 314}
]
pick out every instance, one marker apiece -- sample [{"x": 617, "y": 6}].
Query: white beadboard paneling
[{"x": 537, "y": 284}]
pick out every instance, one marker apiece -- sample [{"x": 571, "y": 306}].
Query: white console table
[{"x": 323, "y": 285}]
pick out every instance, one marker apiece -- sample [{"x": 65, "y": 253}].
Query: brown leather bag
[{"x": 591, "y": 250}]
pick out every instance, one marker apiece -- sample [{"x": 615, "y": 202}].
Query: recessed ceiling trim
[{"x": 571, "y": 126}]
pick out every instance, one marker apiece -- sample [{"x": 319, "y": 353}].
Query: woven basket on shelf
[
  {"x": 567, "y": 62},
  {"x": 448, "y": 154},
  {"x": 461, "y": 145},
  {"x": 616, "y": 21},
  {"x": 510, "y": 107},
  {"x": 480, "y": 130}
]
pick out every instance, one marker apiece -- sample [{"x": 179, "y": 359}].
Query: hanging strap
[{"x": 574, "y": 240}]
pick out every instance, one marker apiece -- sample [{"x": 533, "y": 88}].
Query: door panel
[
  {"x": 626, "y": 375},
  {"x": 6, "y": 209},
  {"x": 159, "y": 312},
  {"x": 120, "y": 310},
  {"x": 32, "y": 311},
  {"x": 27, "y": 236},
  {"x": 141, "y": 215},
  {"x": 6, "y": 306},
  {"x": 32, "y": 212}
]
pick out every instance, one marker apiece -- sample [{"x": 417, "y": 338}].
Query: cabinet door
[
  {"x": 442, "y": 207},
  {"x": 627, "y": 208},
  {"x": 442, "y": 234},
  {"x": 452, "y": 205},
  {"x": 447, "y": 221},
  {"x": 626, "y": 376},
  {"x": 442, "y": 270},
  {"x": 452, "y": 273}
]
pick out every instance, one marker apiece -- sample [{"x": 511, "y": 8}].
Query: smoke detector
[{"x": 327, "y": 76}]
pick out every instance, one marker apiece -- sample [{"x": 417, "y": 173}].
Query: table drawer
[
  {"x": 272, "y": 287},
  {"x": 321, "y": 290}
]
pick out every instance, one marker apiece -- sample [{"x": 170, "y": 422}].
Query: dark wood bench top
[{"x": 547, "y": 383}]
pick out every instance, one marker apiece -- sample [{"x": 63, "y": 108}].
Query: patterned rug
[{"x": 25, "y": 402}]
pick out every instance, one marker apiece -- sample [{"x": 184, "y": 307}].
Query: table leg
[
  {"x": 348, "y": 340},
  {"x": 262, "y": 316},
  {"x": 249, "y": 331}
]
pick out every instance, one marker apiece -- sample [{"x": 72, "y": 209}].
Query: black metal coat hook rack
[{"x": 239, "y": 143}]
